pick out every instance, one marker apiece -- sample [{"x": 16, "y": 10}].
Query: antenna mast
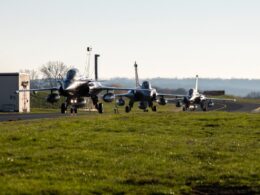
[
  {"x": 137, "y": 84},
  {"x": 89, "y": 49},
  {"x": 96, "y": 66}
]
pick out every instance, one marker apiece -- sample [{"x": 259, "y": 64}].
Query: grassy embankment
[{"x": 160, "y": 153}]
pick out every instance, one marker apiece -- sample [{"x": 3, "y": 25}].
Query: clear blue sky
[{"x": 168, "y": 38}]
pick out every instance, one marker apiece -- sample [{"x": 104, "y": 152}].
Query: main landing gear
[
  {"x": 64, "y": 108},
  {"x": 143, "y": 106},
  {"x": 204, "y": 106},
  {"x": 127, "y": 109},
  {"x": 154, "y": 108},
  {"x": 98, "y": 106}
]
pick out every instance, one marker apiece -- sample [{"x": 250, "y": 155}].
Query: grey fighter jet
[
  {"x": 75, "y": 88},
  {"x": 194, "y": 99},
  {"x": 144, "y": 94}
]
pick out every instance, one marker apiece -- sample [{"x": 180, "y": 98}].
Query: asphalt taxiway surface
[
  {"x": 241, "y": 107},
  {"x": 228, "y": 107},
  {"x": 235, "y": 107},
  {"x": 30, "y": 116}
]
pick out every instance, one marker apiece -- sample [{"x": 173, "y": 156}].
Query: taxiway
[{"x": 229, "y": 107}]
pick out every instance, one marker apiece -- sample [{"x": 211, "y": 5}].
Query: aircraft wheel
[
  {"x": 178, "y": 104},
  {"x": 71, "y": 110},
  {"x": 75, "y": 110},
  {"x": 184, "y": 108},
  {"x": 63, "y": 108},
  {"x": 100, "y": 108},
  {"x": 127, "y": 109},
  {"x": 204, "y": 106},
  {"x": 154, "y": 108}
]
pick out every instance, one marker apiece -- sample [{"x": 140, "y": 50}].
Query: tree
[{"x": 54, "y": 71}]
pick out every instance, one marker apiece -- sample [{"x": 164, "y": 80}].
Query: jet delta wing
[
  {"x": 144, "y": 94},
  {"x": 36, "y": 90}
]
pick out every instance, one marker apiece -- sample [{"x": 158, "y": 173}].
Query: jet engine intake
[
  {"x": 109, "y": 97},
  {"x": 211, "y": 104},
  {"x": 78, "y": 102},
  {"x": 81, "y": 102},
  {"x": 53, "y": 97},
  {"x": 143, "y": 105},
  {"x": 162, "y": 101},
  {"x": 120, "y": 102},
  {"x": 179, "y": 104}
]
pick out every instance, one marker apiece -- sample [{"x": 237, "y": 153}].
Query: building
[{"x": 9, "y": 100}]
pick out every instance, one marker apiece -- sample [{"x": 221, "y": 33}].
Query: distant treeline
[{"x": 253, "y": 95}]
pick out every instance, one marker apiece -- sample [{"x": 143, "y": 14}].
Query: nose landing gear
[
  {"x": 154, "y": 108},
  {"x": 73, "y": 110},
  {"x": 63, "y": 108},
  {"x": 100, "y": 108}
]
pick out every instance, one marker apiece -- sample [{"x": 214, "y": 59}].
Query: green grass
[{"x": 136, "y": 153}]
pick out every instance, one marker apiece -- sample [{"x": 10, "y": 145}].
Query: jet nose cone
[{"x": 67, "y": 87}]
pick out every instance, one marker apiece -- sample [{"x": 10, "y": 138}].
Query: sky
[{"x": 167, "y": 38}]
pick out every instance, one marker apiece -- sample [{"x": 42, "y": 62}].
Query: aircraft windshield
[
  {"x": 71, "y": 74},
  {"x": 146, "y": 85}
]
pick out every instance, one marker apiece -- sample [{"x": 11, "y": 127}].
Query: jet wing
[
  {"x": 35, "y": 90},
  {"x": 174, "y": 96},
  {"x": 128, "y": 95},
  {"x": 221, "y": 99},
  {"x": 123, "y": 89}
]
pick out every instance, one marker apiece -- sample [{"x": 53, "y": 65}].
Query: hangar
[{"x": 9, "y": 100}]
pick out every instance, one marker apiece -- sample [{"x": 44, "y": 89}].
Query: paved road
[
  {"x": 228, "y": 106},
  {"x": 235, "y": 107},
  {"x": 241, "y": 107},
  {"x": 18, "y": 116}
]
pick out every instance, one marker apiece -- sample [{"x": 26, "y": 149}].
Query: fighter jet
[
  {"x": 76, "y": 88},
  {"x": 144, "y": 94},
  {"x": 194, "y": 99}
]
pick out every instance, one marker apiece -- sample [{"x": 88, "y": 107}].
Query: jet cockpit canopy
[
  {"x": 146, "y": 85},
  {"x": 191, "y": 91},
  {"x": 72, "y": 74}
]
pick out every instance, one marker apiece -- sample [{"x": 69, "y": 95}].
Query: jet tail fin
[
  {"x": 137, "y": 83},
  {"x": 197, "y": 83}
]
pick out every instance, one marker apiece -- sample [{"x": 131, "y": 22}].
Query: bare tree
[
  {"x": 34, "y": 77},
  {"x": 53, "y": 71}
]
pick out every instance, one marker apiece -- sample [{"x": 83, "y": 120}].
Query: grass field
[{"x": 136, "y": 153}]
